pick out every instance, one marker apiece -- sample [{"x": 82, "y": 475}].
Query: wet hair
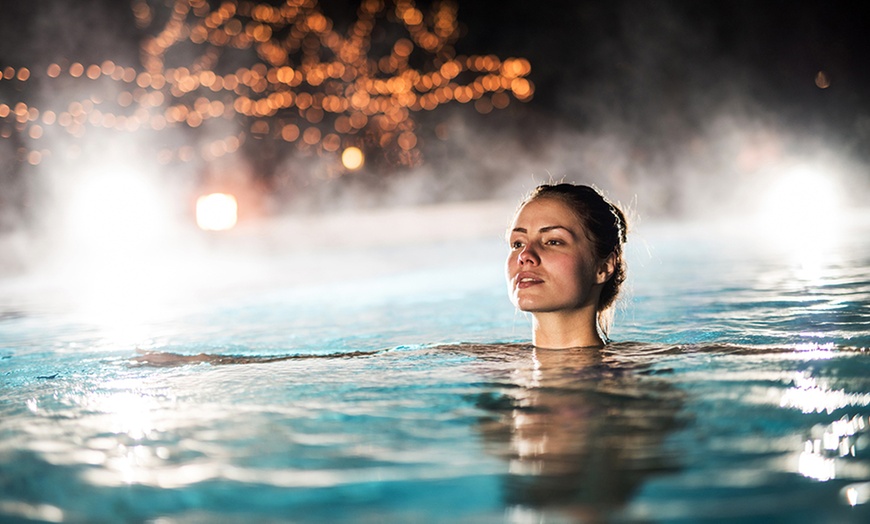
[{"x": 605, "y": 227}]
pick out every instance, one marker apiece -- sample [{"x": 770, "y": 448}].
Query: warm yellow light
[
  {"x": 352, "y": 158},
  {"x": 216, "y": 212}
]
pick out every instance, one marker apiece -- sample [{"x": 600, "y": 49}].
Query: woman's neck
[{"x": 566, "y": 329}]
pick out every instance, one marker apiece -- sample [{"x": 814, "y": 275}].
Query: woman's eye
[
  {"x": 516, "y": 244},
  {"x": 554, "y": 242}
]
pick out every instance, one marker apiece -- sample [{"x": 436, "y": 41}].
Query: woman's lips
[{"x": 525, "y": 280}]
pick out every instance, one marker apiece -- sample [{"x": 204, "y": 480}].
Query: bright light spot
[
  {"x": 809, "y": 396},
  {"x": 352, "y": 158},
  {"x": 216, "y": 212},
  {"x": 112, "y": 263},
  {"x": 802, "y": 198},
  {"x": 858, "y": 493},
  {"x": 812, "y": 464},
  {"x": 127, "y": 412},
  {"x": 802, "y": 213},
  {"x": 111, "y": 208}
]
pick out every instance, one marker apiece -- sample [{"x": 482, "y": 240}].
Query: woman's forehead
[{"x": 551, "y": 211}]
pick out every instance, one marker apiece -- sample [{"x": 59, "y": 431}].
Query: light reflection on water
[
  {"x": 746, "y": 396},
  {"x": 735, "y": 285}
]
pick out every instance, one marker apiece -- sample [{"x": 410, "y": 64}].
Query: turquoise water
[{"x": 737, "y": 389}]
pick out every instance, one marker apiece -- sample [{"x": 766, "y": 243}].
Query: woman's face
[{"x": 551, "y": 265}]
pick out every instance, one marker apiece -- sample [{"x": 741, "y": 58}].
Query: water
[{"x": 738, "y": 389}]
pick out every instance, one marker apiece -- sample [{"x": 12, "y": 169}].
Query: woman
[
  {"x": 566, "y": 264},
  {"x": 565, "y": 267}
]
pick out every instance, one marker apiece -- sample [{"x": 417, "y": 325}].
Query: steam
[{"x": 640, "y": 103}]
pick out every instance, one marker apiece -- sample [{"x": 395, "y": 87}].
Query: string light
[
  {"x": 352, "y": 158},
  {"x": 309, "y": 85}
]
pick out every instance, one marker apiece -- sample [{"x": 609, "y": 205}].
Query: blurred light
[
  {"x": 32, "y": 512},
  {"x": 352, "y": 158},
  {"x": 115, "y": 233},
  {"x": 809, "y": 395},
  {"x": 822, "y": 80},
  {"x": 407, "y": 140},
  {"x": 216, "y": 212},
  {"x": 803, "y": 205},
  {"x": 338, "y": 93},
  {"x": 311, "y": 136},
  {"x": 129, "y": 412},
  {"x": 34, "y": 158},
  {"x": 813, "y": 464},
  {"x": 854, "y": 494},
  {"x": 110, "y": 207},
  {"x": 851, "y": 496}
]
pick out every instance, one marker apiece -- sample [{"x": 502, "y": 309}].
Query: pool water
[{"x": 737, "y": 389}]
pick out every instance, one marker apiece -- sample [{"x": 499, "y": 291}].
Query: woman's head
[{"x": 601, "y": 224}]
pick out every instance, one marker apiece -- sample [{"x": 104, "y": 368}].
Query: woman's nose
[{"x": 527, "y": 256}]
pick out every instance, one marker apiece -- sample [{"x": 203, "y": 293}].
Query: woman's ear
[{"x": 606, "y": 268}]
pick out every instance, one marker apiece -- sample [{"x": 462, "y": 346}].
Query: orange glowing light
[
  {"x": 352, "y": 158},
  {"x": 216, "y": 212},
  {"x": 308, "y": 74}
]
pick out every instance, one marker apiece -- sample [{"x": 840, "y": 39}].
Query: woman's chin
[{"x": 530, "y": 306}]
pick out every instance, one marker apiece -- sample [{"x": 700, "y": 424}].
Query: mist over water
[{"x": 669, "y": 109}]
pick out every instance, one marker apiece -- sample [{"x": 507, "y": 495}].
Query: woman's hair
[{"x": 605, "y": 227}]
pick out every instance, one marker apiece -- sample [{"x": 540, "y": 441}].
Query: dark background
[{"x": 632, "y": 60}]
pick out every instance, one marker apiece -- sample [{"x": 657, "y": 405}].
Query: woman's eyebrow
[
  {"x": 544, "y": 229},
  {"x": 571, "y": 233},
  {"x": 550, "y": 228}
]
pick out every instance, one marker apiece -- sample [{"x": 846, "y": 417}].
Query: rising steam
[{"x": 639, "y": 103}]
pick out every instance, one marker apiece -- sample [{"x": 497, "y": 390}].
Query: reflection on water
[
  {"x": 581, "y": 429},
  {"x": 636, "y": 432},
  {"x": 837, "y": 440},
  {"x": 736, "y": 283},
  {"x": 810, "y": 395}
]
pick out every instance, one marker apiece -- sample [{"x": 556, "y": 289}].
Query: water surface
[{"x": 736, "y": 389}]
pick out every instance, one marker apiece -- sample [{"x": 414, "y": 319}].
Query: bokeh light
[
  {"x": 216, "y": 212},
  {"x": 352, "y": 158},
  {"x": 282, "y": 73}
]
